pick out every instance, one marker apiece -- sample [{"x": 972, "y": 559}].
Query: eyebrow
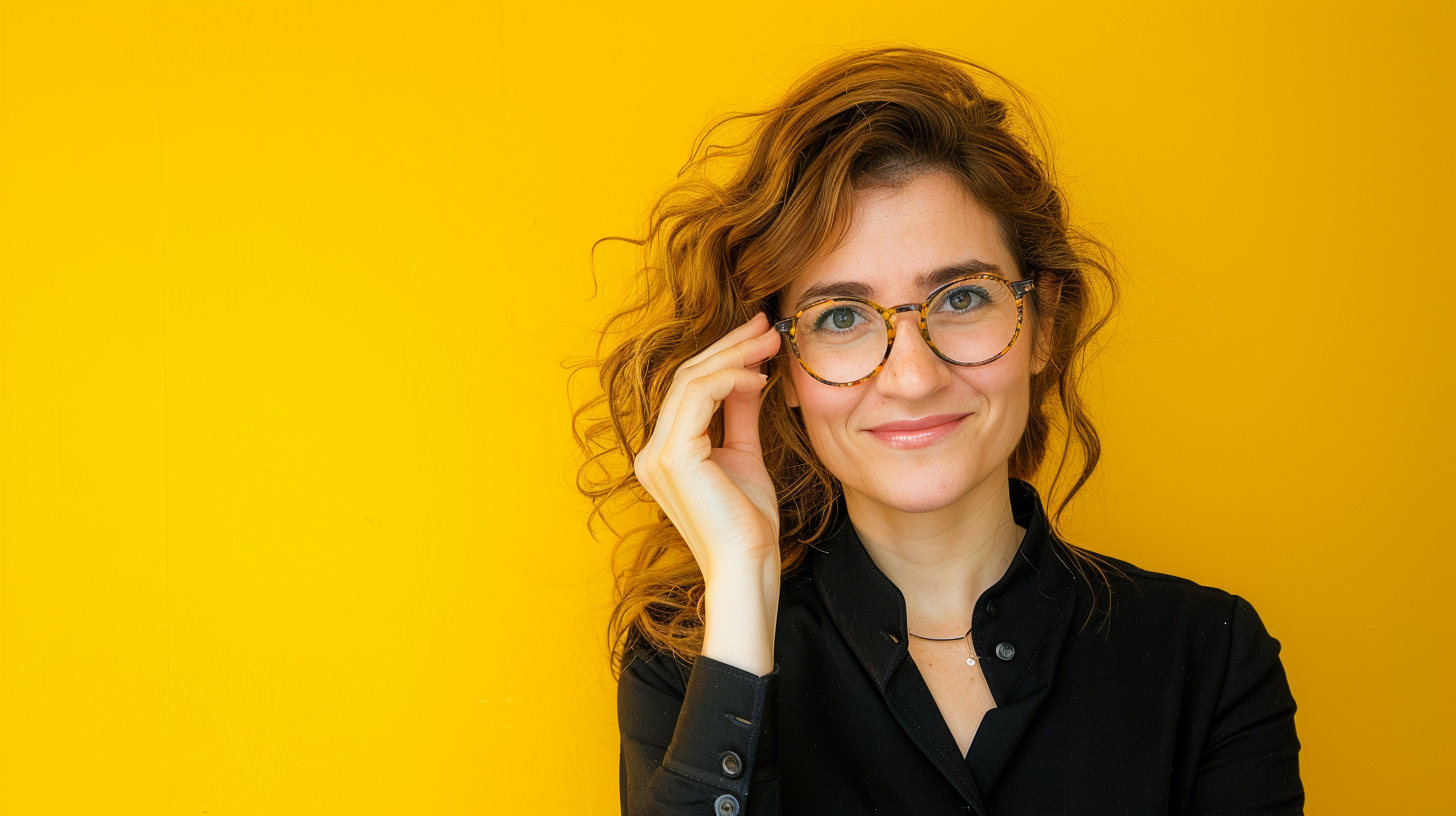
[{"x": 925, "y": 282}]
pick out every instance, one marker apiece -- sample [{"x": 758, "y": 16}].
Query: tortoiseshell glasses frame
[{"x": 788, "y": 327}]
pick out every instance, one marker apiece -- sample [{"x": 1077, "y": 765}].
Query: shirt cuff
[{"x": 725, "y": 730}]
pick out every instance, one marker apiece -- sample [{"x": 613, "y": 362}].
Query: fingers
[
  {"x": 740, "y": 418},
  {"x": 754, "y": 326},
  {"x": 758, "y": 341},
  {"x": 700, "y": 398},
  {"x": 758, "y": 347}
]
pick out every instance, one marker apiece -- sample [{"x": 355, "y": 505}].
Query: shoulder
[
  {"x": 1165, "y": 591},
  {"x": 1176, "y": 630},
  {"x": 1153, "y": 604}
]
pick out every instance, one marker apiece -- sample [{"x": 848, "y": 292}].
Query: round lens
[
  {"x": 841, "y": 340},
  {"x": 973, "y": 320}
]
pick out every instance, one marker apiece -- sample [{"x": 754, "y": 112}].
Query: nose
[{"x": 913, "y": 370}]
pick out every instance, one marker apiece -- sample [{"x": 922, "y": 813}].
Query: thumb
[{"x": 740, "y": 417}]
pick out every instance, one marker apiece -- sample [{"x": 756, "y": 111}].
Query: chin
[{"x": 919, "y": 490}]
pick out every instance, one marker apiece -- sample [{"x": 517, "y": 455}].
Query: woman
[{"x": 851, "y": 599}]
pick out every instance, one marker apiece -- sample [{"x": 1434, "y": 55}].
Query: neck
[{"x": 941, "y": 560}]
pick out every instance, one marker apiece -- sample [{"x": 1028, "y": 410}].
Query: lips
[
  {"x": 903, "y": 434},
  {"x": 900, "y": 425}
]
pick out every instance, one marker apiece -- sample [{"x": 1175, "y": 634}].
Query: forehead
[{"x": 898, "y": 235}]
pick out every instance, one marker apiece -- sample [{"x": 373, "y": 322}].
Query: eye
[
  {"x": 837, "y": 319},
  {"x": 968, "y": 298}
]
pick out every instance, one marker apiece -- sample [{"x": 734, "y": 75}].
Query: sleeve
[
  {"x": 700, "y": 747},
  {"x": 1250, "y": 764}
]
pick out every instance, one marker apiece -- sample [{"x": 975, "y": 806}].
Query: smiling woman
[{"x": 852, "y": 599}]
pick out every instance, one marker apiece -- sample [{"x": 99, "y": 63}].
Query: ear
[{"x": 1041, "y": 355}]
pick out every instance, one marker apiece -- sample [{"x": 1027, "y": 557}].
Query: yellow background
[{"x": 286, "y": 516}]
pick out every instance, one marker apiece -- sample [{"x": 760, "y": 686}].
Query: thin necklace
[{"x": 970, "y": 661}]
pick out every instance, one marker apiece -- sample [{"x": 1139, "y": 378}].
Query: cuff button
[
  {"x": 732, "y": 764},
  {"x": 726, "y": 805}
]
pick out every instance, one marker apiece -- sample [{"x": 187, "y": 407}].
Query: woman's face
[{"x": 897, "y": 234}]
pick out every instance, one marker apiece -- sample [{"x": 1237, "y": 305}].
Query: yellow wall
[{"x": 286, "y": 518}]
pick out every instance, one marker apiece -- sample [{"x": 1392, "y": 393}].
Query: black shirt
[{"x": 1177, "y": 705}]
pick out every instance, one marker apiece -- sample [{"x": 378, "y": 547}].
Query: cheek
[
  {"x": 1003, "y": 383},
  {"x": 825, "y": 409},
  {"x": 1003, "y": 389}
]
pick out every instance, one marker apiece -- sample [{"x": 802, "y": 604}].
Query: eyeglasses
[{"x": 970, "y": 321}]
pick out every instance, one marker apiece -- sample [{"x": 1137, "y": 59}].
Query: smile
[{"x": 917, "y": 437}]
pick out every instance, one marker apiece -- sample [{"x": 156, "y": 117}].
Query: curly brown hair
[{"x": 729, "y": 235}]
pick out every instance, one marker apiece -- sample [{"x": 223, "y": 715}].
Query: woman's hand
[{"x": 721, "y": 500}]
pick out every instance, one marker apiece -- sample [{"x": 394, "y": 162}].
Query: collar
[
  {"x": 1012, "y": 621},
  {"x": 1018, "y": 627}
]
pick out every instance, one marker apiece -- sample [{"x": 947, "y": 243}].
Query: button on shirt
[{"x": 1176, "y": 705}]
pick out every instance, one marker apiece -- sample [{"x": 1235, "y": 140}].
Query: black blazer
[{"x": 1179, "y": 705}]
